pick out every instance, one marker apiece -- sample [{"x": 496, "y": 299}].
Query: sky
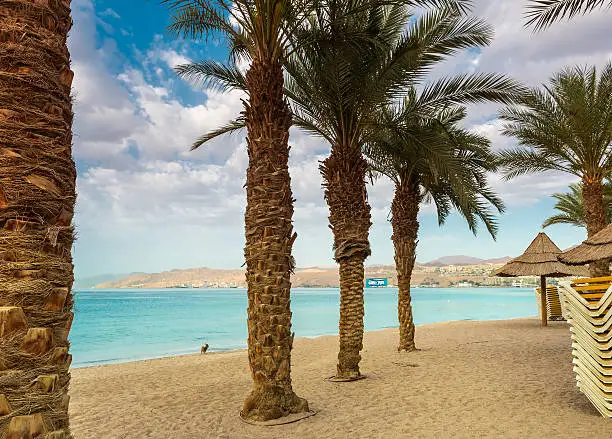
[{"x": 148, "y": 204}]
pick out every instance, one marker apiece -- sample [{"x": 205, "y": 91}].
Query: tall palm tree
[
  {"x": 542, "y": 13},
  {"x": 364, "y": 54},
  {"x": 429, "y": 158},
  {"x": 335, "y": 92},
  {"x": 567, "y": 126},
  {"x": 571, "y": 206},
  {"x": 37, "y": 197},
  {"x": 261, "y": 31}
]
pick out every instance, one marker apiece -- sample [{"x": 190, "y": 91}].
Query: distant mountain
[
  {"x": 85, "y": 283},
  {"x": 464, "y": 260},
  {"x": 318, "y": 277},
  {"x": 177, "y": 278},
  {"x": 496, "y": 261}
]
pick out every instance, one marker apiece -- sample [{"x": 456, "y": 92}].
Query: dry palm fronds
[
  {"x": 596, "y": 248},
  {"x": 540, "y": 259}
]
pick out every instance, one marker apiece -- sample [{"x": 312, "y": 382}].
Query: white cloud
[
  {"x": 110, "y": 13},
  {"x": 139, "y": 182},
  {"x": 173, "y": 58}
]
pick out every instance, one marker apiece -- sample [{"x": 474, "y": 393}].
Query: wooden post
[{"x": 543, "y": 300}]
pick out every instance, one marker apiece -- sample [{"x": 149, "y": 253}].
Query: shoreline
[
  {"x": 489, "y": 379},
  {"x": 103, "y": 363},
  {"x": 390, "y": 287}
]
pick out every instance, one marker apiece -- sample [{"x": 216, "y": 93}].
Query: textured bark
[
  {"x": 37, "y": 197},
  {"x": 345, "y": 192},
  {"x": 269, "y": 240},
  {"x": 595, "y": 216},
  {"x": 404, "y": 211}
]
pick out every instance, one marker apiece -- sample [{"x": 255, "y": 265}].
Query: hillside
[
  {"x": 443, "y": 272},
  {"x": 465, "y": 260}
]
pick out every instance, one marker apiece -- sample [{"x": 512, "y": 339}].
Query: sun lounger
[
  {"x": 587, "y": 306},
  {"x": 602, "y": 356},
  {"x": 604, "y": 366},
  {"x": 592, "y": 307},
  {"x": 604, "y": 389},
  {"x": 553, "y": 303},
  {"x": 594, "y": 368},
  {"x": 591, "y": 295},
  {"x": 595, "y": 396},
  {"x": 600, "y": 345}
]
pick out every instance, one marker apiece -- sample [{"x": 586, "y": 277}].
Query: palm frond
[
  {"x": 566, "y": 125},
  {"x": 229, "y": 128},
  {"x": 471, "y": 88},
  {"x": 542, "y": 13},
  {"x": 570, "y": 206},
  {"x": 424, "y": 147},
  {"x": 213, "y": 75},
  {"x": 518, "y": 161}
]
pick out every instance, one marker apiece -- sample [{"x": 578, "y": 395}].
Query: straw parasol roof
[
  {"x": 596, "y": 248},
  {"x": 540, "y": 259}
]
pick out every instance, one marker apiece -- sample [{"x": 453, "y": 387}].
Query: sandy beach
[{"x": 503, "y": 379}]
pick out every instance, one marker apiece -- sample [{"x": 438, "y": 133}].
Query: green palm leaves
[
  {"x": 262, "y": 29},
  {"x": 571, "y": 207},
  {"x": 441, "y": 161},
  {"x": 565, "y": 126},
  {"x": 361, "y": 62},
  {"x": 542, "y": 13}
]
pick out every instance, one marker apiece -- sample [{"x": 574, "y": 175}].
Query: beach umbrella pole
[{"x": 543, "y": 300}]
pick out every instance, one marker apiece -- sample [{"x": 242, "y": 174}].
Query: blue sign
[{"x": 376, "y": 282}]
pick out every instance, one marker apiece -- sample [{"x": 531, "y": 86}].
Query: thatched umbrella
[
  {"x": 596, "y": 248},
  {"x": 540, "y": 259}
]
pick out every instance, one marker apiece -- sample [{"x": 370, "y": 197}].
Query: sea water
[{"x": 114, "y": 326}]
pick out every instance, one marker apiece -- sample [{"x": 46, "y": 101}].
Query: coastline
[
  {"x": 104, "y": 363},
  {"x": 311, "y": 287},
  {"x": 503, "y": 379}
]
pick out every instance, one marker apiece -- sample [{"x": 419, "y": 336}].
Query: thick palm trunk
[
  {"x": 269, "y": 240},
  {"x": 404, "y": 211},
  {"x": 37, "y": 196},
  {"x": 595, "y": 216},
  {"x": 345, "y": 191}
]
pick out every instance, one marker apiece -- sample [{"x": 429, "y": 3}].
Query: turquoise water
[{"x": 115, "y": 326}]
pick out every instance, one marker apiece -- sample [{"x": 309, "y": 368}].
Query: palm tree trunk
[
  {"x": 595, "y": 216},
  {"x": 37, "y": 197},
  {"x": 269, "y": 240},
  {"x": 404, "y": 211},
  {"x": 345, "y": 192}
]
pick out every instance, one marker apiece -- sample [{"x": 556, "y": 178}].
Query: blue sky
[{"x": 148, "y": 204}]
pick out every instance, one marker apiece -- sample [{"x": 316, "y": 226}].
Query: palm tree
[
  {"x": 37, "y": 197},
  {"x": 261, "y": 31},
  {"x": 543, "y": 13},
  {"x": 359, "y": 55},
  {"x": 336, "y": 90},
  {"x": 429, "y": 159},
  {"x": 567, "y": 127},
  {"x": 571, "y": 206}
]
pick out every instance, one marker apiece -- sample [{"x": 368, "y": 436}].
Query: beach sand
[{"x": 504, "y": 379}]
